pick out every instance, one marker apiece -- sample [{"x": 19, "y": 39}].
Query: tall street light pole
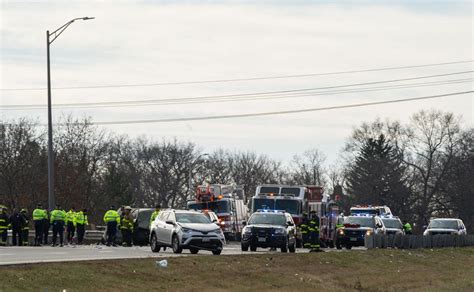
[
  {"x": 50, "y": 37},
  {"x": 190, "y": 178}
]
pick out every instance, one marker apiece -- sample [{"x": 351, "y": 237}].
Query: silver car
[
  {"x": 183, "y": 229},
  {"x": 393, "y": 225},
  {"x": 445, "y": 226}
]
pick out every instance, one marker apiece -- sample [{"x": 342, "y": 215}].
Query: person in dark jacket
[
  {"x": 4, "y": 222},
  {"x": 25, "y": 228},
  {"x": 17, "y": 222}
]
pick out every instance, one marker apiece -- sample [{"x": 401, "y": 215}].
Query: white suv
[
  {"x": 445, "y": 226},
  {"x": 183, "y": 229}
]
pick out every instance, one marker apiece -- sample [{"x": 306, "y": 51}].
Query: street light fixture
[
  {"x": 50, "y": 37},
  {"x": 190, "y": 178}
]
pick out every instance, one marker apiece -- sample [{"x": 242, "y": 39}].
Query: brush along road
[{"x": 448, "y": 269}]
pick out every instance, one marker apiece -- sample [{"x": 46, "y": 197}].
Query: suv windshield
[
  {"x": 392, "y": 223},
  {"x": 446, "y": 224},
  {"x": 290, "y": 206},
  {"x": 191, "y": 218},
  {"x": 270, "y": 219},
  {"x": 362, "y": 221},
  {"x": 216, "y": 207},
  {"x": 263, "y": 204}
]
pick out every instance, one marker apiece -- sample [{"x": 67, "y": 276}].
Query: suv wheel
[
  {"x": 253, "y": 248},
  {"x": 216, "y": 251},
  {"x": 194, "y": 250},
  {"x": 284, "y": 248},
  {"x": 154, "y": 243},
  {"x": 244, "y": 247},
  {"x": 175, "y": 245}
]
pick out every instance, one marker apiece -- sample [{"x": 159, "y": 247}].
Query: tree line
[{"x": 420, "y": 169}]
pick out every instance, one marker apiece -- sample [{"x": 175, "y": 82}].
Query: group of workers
[
  {"x": 309, "y": 228},
  {"x": 19, "y": 223},
  {"x": 124, "y": 222}
]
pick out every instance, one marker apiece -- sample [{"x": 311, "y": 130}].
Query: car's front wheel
[
  {"x": 284, "y": 248},
  {"x": 217, "y": 251},
  {"x": 244, "y": 247},
  {"x": 194, "y": 250},
  {"x": 253, "y": 248},
  {"x": 154, "y": 243},
  {"x": 175, "y": 245}
]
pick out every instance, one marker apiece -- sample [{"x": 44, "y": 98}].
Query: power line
[
  {"x": 266, "y": 97},
  {"x": 202, "y": 98},
  {"x": 239, "y": 79},
  {"x": 218, "y": 117}
]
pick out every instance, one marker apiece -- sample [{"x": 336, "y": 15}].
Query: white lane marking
[
  {"x": 102, "y": 251},
  {"x": 58, "y": 252},
  {"x": 7, "y": 254}
]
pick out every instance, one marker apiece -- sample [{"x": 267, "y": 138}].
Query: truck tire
[
  {"x": 330, "y": 243},
  {"x": 299, "y": 243},
  {"x": 244, "y": 247},
  {"x": 292, "y": 248},
  {"x": 216, "y": 251},
  {"x": 348, "y": 246},
  {"x": 194, "y": 250},
  {"x": 253, "y": 248},
  {"x": 337, "y": 244}
]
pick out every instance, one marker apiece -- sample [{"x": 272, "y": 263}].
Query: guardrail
[
  {"x": 90, "y": 236},
  {"x": 418, "y": 241}
]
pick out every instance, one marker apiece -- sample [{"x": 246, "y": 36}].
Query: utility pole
[{"x": 49, "y": 41}]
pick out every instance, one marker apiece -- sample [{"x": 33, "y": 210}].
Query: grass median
[{"x": 371, "y": 270}]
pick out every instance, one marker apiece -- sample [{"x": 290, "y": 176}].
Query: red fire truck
[{"x": 227, "y": 201}]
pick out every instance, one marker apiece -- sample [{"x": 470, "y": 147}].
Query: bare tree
[
  {"x": 431, "y": 143},
  {"x": 309, "y": 168}
]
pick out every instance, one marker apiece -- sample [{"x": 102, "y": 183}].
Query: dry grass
[{"x": 374, "y": 270}]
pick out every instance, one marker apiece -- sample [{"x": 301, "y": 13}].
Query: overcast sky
[{"x": 139, "y": 42}]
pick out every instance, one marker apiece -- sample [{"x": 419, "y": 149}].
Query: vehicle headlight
[
  {"x": 340, "y": 232},
  {"x": 247, "y": 230},
  {"x": 186, "y": 230},
  {"x": 279, "y": 231},
  {"x": 369, "y": 232}
]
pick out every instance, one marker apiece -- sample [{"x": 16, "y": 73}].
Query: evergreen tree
[{"x": 377, "y": 176}]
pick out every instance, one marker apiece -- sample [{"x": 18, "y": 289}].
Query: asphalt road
[{"x": 24, "y": 255}]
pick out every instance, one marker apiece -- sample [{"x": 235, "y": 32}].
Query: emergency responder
[
  {"x": 57, "y": 220},
  {"x": 314, "y": 232},
  {"x": 155, "y": 213},
  {"x": 112, "y": 219},
  {"x": 17, "y": 223},
  {"x": 46, "y": 225},
  {"x": 303, "y": 227},
  {"x": 126, "y": 226},
  {"x": 70, "y": 222},
  {"x": 81, "y": 223},
  {"x": 25, "y": 228},
  {"x": 38, "y": 218},
  {"x": 407, "y": 228},
  {"x": 4, "y": 222}
]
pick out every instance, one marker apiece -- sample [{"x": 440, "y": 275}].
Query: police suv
[
  {"x": 356, "y": 228},
  {"x": 268, "y": 228}
]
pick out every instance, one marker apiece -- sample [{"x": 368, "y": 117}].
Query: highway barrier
[{"x": 418, "y": 241}]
